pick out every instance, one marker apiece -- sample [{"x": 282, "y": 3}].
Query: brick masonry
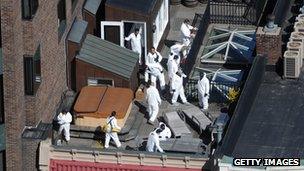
[
  {"x": 269, "y": 44},
  {"x": 21, "y": 37}
]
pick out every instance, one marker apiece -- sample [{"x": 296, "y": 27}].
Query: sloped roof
[
  {"x": 92, "y": 6},
  {"x": 77, "y": 31},
  {"x": 108, "y": 56},
  {"x": 268, "y": 121},
  {"x": 142, "y": 6}
]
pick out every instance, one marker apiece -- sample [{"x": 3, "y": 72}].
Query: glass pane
[
  {"x": 25, "y": 9},
  {"x": 28, "y": 76},
  {"x": 74, "y": 3},
  {"x": 112, "y": 34},
  {"x": 34, "y": 6},
  {"x": 37, "y": 65}
]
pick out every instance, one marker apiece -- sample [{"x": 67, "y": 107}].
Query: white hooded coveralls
[
  {"x": 172, "y": 68},
  {"x": 64, "y": 121},
  {"x": 155, "y": 69},
  {"x": 203, "y": 87},
  {"x": 178, "y": 89},
  {"x": 135, "y": 43},
  {"x": 166, "y": 133},
  {"x": 153, "y": 143},
  {"x": 186, "y": 33},
  {"x": 175, "y": 50},
  {"x": 113, "y": 122},
  {"x": 153, "y": 100}
]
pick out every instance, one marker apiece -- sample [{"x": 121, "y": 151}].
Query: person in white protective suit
[
  {"x": 64, "y": 119},
  {"x": 203, "y": 87},
  {"x": 154, "y": 68},
  {"x": 176, "y": 49},
  {"x": 172, "y": 65},
  {"x": 165, "y": 133},
  {"x": 186, "y": 34},
  {"x": 112, "y": 134},
  {"x": 178, "y": 88},
  {"x": 135, "y": 39},
  {"x": 153, "y": 99},
  {"x": 153, "y": 142}
]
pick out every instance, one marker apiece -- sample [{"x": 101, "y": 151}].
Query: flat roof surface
[
  {"x": 142, "y": 6},
  {"x": 273, "y": 127}
]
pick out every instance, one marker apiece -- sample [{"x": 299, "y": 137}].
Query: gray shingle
[
  {"x": 108, "y": 56},
  {"x": 92, "y": 6},
  {"x": 77, "y": 31}
]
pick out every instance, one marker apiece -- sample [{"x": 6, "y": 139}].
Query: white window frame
[
  {"x": 113, "y": 23},
  {"x": 121, "y": 26},
  {"x": 144, "y": 31}
]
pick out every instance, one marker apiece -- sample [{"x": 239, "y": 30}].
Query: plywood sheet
[{"x": 89, "y": 99}]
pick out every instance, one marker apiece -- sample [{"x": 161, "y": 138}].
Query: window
[
  {"x": 37, "y": 66},
  {"x": 100, "y": 81},
  {"x": 29, "y": 8},
  {"x": 74, "y": 4},
  {"x": 32, "y": 72},
  {"x": 61, "y": 12}
]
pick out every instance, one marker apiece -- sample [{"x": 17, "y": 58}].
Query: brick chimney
[{"x": 269, "y": 41}]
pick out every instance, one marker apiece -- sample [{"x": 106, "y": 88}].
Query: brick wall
[
  {"x": 20, "y": 37},
  {"x": 30, "y": 152},
  {"x": 269, "y": 44}
]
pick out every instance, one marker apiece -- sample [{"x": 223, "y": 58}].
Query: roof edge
[{"x": 242, "y": 110}]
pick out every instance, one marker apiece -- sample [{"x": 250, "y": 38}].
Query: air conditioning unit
[
  {"x": 297, "y": 37},
  {"x": 300, "y": 17},
  {"x": 292, "y": 67},
  {"x": 299, "y": 26},
  {"x": 297, "y": 46}
]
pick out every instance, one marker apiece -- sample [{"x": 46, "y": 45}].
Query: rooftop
[
  {"x": 273, "y": 126},
  {"x": 136, "y": 129}
]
